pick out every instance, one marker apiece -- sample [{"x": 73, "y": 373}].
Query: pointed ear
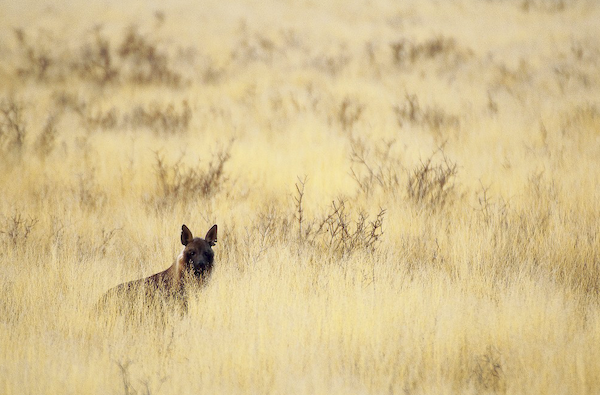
[
  {"x": 186, "y": 235},
  {"x": 211, "y": 236}
]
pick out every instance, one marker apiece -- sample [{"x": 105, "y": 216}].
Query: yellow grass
[{"x": 493, "y": 286}]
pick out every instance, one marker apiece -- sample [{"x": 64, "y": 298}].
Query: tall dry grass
[{"x": 406, "y": 193}]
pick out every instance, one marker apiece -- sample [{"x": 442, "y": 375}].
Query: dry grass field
[{"x": 407, "y": 195}]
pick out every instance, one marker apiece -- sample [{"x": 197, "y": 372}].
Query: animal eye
[{"x": 192, "y": 253}]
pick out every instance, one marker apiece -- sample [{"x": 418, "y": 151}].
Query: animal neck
[{"x": 176, "y": 270}]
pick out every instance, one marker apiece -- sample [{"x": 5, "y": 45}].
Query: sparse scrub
[
  {"x": 144, "y": 62},
  {"x": 488, "y": 373},
  {"x": 254, "y": 48},
  {"x": 102, "y": 120},
  {"x": 158, "y": 118},
  {"x": 46, "y": 141},
  {"x": 299, "y": 211},
  {"x": 491, "y": 210},
  {"x": 180, "y": 183},
  {"x": 96, "y": 62},
  {"x": 581, "y": 125},
  {"x": 332, "y": 64},
  {"x": 349, "y": 113},
  {"x": 429, "y": 184},
  {"x": 64, "y": 100},
  {"x": 97, "y": 247},
  {"x": 338, "y": 233},
  {"x": 406, "y": 53},
  {"x": 543, "y": 5},
  {"x": 167, "y": 120},
  {"x": 271, "y": 228},
  {"x": 374, "y": 167},
  {"x": 13, "y": 129},
  {"x": 136, "y": 59},
  {"x": 341, "y": 234},
  {"x": 17, "y": 228},
  {"x": 87, "y": 192},
  {"x": 432, "y": 182},
  {"x": 37, "y": 60},
  {"x": 433, "y": 118}
]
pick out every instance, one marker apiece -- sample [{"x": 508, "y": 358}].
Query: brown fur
[{"x": 191, "y": 269}]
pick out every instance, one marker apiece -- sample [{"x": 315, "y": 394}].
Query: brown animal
[{"x": 191, "y": 269}]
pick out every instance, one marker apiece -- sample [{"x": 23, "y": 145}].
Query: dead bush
[
  {"x": 349, "y": 113},
  {"x": 12, "y": 128},
  {"x": 551, "y": 6},
  {"x": 332, "y": 64},
  {"x": 580, "y": 124},
  {"x": 64, "y": 100},
  {"x": 487, "y": 372},
  {"x": 339, "y": 232},
  {"x": 433, "y": 118},
  {"x": 343, "y": 234},
  {"x": 46, "y": 141},
  {"x": 178, "y": 182},
  {"x": 406, "y": 53},
  {"x": 36, "y": 58},
  {"x": 158, "y": 118},
  {"x": 431, "y": 183},
  {"x": 96, "y": 61},
  {"x": 254, "y": 48},
  {"x": 104, "y": 120},
  {"x": 88, "y": 194},
  {"x": 17, "y": 229},
  {"x": 144, "y": 62},
  {"x": 373, "y": 166},
  {"x": 137, "y": 58},
  {"x": 161, "y": 119}
]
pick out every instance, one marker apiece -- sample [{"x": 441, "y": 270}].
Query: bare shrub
[
  {"x": 88, "y": 193},
  {"x": 432, "y": 184},
  {"x": 338, "y": 232},
  {"x": 491, "y": 210},
  {"x": 92, "y": 247},
  {"x": 177, "y": 182},
  {"x": 17, "y": 229},
  {"x": 254, "y": 48},
  {"x": 64, "y": 100},
  {"x": 580, "y": 124},
  {"x": 343, "y": 235},
  {"x": 543, "y": 5},
  {"x": 407, "y": 53},
  {"x": 96, "y": 62},
  {"x": 145, "y": 62},
  {"x": 37, "y": 60},
  {"x": 161, "y": 119},
  {"x": 433, "y": 118},
  {"x": 137, "y": 58},
  {"x": 46, "y": 141},
  {"x": 12, "y": 127},
  {"x": 487, "y": 373},
  {"x": 299, "y": 211},
  {"x": 271, "y": 225},
  {"x": 332, "y": 64},
  {"x": 349, "y": 113},
  {"x": 374, "y": 167},
  {"x": 104, "y": 120},
  {"x": 213, "y": 74}
]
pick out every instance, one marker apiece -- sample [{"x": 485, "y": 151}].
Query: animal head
[{"x": 198, "y": 256}]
